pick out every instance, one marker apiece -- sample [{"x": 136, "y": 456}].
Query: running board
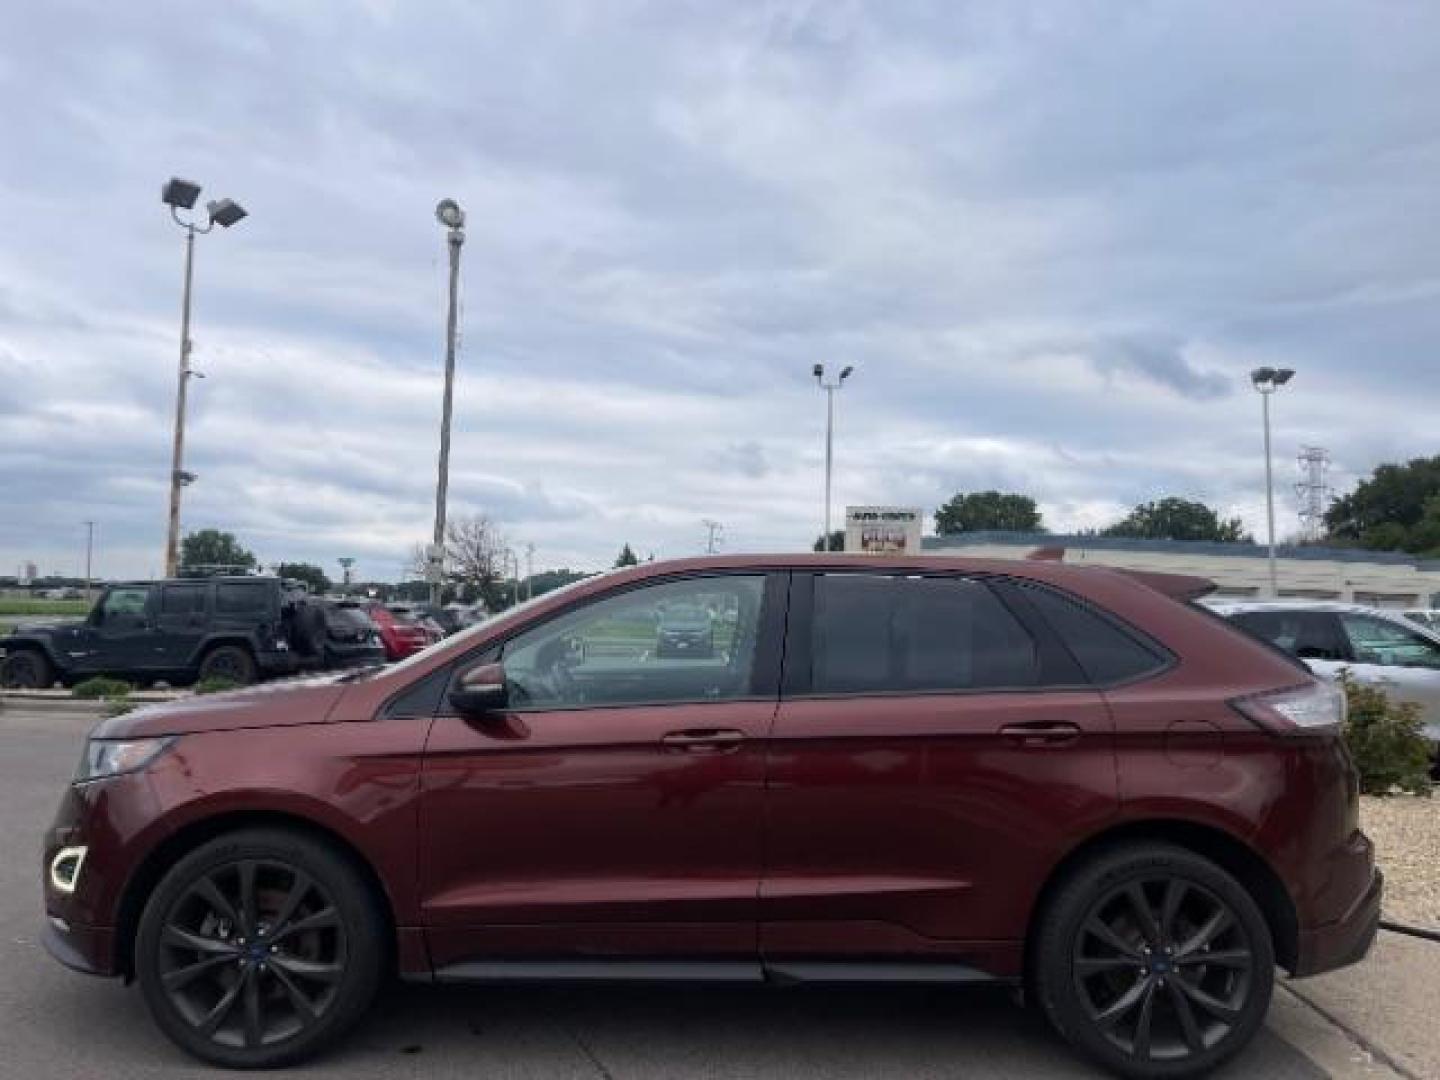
[{"x": 721, "y": 971}]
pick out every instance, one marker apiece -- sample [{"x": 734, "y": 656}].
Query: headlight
[{"x": 111, "y": 757}]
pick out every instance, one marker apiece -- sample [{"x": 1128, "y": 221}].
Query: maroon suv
[{"x": 893, "y": 769}]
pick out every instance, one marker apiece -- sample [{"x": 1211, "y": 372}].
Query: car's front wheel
[
  {"x": 1155, "y": 962},
  {"x": 259, "y": 948}
]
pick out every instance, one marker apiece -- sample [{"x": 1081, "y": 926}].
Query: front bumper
[
  {"x": 87, "y": 949},
  {"x": 1344, "y": 941}
]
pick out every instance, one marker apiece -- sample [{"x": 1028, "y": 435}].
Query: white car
[
  {"x": 1429, "y": 618},
  {"x": 1381, "y": 648}
]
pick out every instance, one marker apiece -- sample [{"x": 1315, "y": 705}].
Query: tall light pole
[
  {"x": 1267, "y": 380},
  {"x": 829, "y": 387},
  {"x": 89, "y": 552},
  {"x": 449, "y": 214},
  {"x": 181, "y": 195}
]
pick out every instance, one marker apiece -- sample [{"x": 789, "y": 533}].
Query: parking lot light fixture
[
  {"x": 1266, "y": 381},
  {"x": 180, "y": 195},
  {"x": 829, "y": 387},
  {"x": 449, "y": 214}
]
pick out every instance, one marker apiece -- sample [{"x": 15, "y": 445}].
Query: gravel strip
[{"x": 1406, "y": 831}]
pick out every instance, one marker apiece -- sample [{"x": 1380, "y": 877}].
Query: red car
[
  {"x": 1059, "y": 777},
  {"x": 400, "y": 635}
]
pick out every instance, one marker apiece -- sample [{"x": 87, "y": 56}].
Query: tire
[
  {"x": 1156, "y": 1014},
  {"x": 308, "y": 630},
  {"x": 232, "y": 662},
  {"x": 27, "y": 669},
  {"x": 270, "y": 1001}
]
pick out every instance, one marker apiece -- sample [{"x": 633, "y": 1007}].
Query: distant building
[{"x": 1378, "y": 578}]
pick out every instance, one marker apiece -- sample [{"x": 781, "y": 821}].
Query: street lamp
[
  {"x": 180, "y": 195},
  {"x": 829, "y": 387},
  {"x": 449, "y": 214},
  {"x": 1267, "y": 380}
]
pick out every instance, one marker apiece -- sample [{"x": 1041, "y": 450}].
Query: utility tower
[
  {"x": 713, "y": 535},
  {"x": 1313, "y": 491}
]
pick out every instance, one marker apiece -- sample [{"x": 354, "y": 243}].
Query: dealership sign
[{"x": 883, "y": 530}]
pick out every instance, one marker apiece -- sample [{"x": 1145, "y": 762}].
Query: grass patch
[
  {"x": 24, "y": 607},
  {"x": 102, "y": 689}
]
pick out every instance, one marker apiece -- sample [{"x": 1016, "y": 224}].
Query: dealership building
[{"x": 1377, "y": 578}]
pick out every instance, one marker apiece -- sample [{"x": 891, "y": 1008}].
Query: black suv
[{"x": 179, "y": 630}]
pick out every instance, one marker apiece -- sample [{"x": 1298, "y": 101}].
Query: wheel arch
[
  {"x": 38, "y": 644},
  {"x": 187, "y": 838},
  {"x": 220, "y": 641},
  {"x": 1225, "y": 849}
]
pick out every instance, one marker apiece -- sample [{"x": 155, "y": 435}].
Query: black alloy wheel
[
  {"x": 1164, "y": 965},
  {"x": 255, "y": 955},
  {"x": 228, "y": 662}
]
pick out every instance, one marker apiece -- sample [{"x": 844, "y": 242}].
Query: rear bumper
[{"x": 1344, "y": 941}]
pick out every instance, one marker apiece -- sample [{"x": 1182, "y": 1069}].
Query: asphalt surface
[{"x": 54, "y": 1023}]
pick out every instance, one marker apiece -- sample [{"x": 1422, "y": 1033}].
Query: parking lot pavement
[{"x": 54, "y": 1023}]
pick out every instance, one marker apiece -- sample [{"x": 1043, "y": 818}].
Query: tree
[
  {"x": 476, "y": 552},
  {"x": 213, "y": 549},
  {"x": 543, "y": 581},
  {"x": 1396, "y": 509},
  {"x": 1174, "y": 518},
  {"x": 627, "y": 557},
  {"x": 999, "y": 510},
  {"x": 313, "y": 577},
  {"x": 837, "y": 541}
]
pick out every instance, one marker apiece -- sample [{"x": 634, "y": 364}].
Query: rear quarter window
[
  {"x": 238, "y": 598},
  {"x": 1106, "y": 652}
]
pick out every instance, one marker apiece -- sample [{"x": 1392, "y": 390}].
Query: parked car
[
  {"x": 417, "y": 615},
  {"x": 179, "y": 630},
  {"x": 1380, "y": 648},
  {"x": 351, "y": 637},
  {"x": 685, "y": 630},
  {"x": 446, "y": 619},
  {"x": 398, "y": 634},
  {"x": 1028, "y": 773}
]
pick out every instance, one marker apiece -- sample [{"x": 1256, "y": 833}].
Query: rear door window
[
  {"x": 1376, "y": 641},
  {"x": 876, "y": 633},
  {"x": 1309, "y": 635},
  {"x": 182, "y": 600},
  {"x": 241, "y": 598}
]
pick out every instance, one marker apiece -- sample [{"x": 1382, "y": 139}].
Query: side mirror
[{"x": 481, "y": 689}]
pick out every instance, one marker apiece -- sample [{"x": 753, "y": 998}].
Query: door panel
[
  {"x": 554, "y": 832},
  {"x": 914, "y": 823},
  {"x": 616, "y": 808}
]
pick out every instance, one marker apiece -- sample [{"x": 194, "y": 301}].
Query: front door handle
[
  {"x": 703, "y": 740},
  {"x": 1041, "y": 733}
]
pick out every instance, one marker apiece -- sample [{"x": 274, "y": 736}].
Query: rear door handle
[
  {"x": 703, "y": 740},
  {"x": 1041, "y": 733}
]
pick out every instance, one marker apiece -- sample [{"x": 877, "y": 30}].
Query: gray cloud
[{"x": 1051, "y": 239}]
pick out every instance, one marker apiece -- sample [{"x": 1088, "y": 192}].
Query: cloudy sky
[{"x": 1052, "y": 238}]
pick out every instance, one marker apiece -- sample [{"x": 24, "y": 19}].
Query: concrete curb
[{"x": 61, "y": 702}]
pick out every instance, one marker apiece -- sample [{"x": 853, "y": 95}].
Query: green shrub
[
  {"x": 1387, "y": 740},
  {"x": 119, "y": 708},
  {"x": 101, "y": 688},
  {"x": 216, "y": 684}
]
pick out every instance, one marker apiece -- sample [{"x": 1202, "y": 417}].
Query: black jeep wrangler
[{"x": 180, "y": 630}]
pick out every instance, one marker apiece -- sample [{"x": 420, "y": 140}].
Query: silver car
[{"x": 1381, "y": 648}]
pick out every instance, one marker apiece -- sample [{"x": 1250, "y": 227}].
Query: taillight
[{"x": 1317, "y": 708}]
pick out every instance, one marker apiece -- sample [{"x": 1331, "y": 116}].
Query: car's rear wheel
[
  {"x": 27, "y": 669},
  {"x": 1155, "y": 962},
  {"x": 228, "y": 662},
  {"x": 259, "y": 948}
]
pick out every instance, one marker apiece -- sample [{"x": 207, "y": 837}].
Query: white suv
[{"x": 1381, "y": 648}]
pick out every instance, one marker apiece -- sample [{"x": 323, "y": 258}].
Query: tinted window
[
  {"x": 1105, "y": 652},
  {"x": 1310, "y": 635},
  {"x": 624, "y": 650},
  {"x": 1376, "y": 641},
  {"x": 129, "y": 600},
  {"x": 182, "y": 600},
  {"x": 241, "y": 598},
  {"x": 877, "y": 634}
]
